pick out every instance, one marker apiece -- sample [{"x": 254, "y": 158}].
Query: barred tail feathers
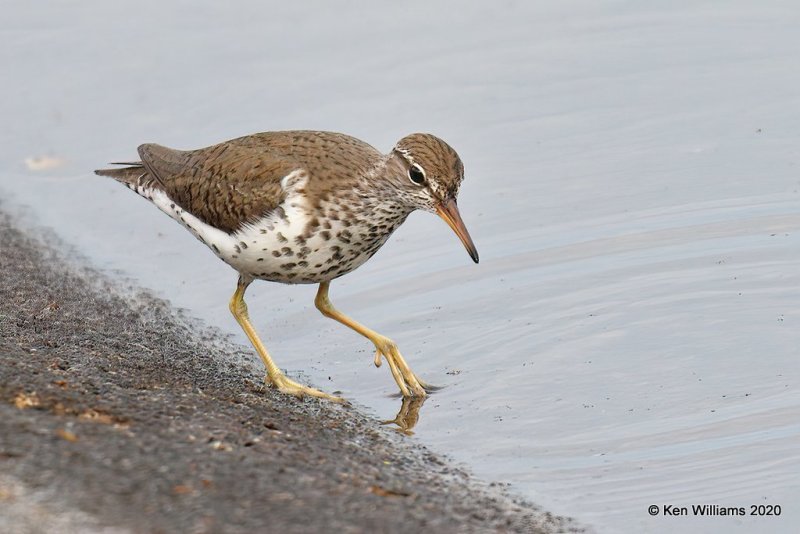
[
  {"x": 134, "y": 175},
  {"x": 128, "y": 175}
]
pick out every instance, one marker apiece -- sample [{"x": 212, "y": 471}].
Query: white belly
[{"x": 278, "y": 247}]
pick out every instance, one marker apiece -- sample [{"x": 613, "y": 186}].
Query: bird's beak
[{"x": 448, "y": 210}]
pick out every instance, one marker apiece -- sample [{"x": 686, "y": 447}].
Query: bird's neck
[{"x": 381, "y": 187}]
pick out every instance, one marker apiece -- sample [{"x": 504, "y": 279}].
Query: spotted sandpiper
[{"x": 302, "y": 207}]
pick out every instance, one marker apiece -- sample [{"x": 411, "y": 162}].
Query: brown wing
[
  {"x": 223, "y": 185},
  {"x": 239, "y": 180}
]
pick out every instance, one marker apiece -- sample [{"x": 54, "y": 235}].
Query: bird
[{"x": 302, "y": 207}]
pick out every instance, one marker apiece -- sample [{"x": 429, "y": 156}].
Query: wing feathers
[{"x": 223, "y": 185}]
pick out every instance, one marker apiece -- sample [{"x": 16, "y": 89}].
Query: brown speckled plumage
[
  {"x": 346, "y": 183},
  {"x": 301, "y": 207},
  {"x": 236, "y": 181}
]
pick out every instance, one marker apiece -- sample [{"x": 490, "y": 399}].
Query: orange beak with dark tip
[{"x": 448, "y": 210}]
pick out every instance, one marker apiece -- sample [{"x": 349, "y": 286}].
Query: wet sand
[{"x": 117, "y": 415}]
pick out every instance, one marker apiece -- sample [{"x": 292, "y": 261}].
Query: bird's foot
[
  {"x": 407, "y": 381},
  {"x": 290, "y": 387},
  {"x": 429, "y": 388}
]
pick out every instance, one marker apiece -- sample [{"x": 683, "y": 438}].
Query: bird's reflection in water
[{"x": 406, "y": 419}]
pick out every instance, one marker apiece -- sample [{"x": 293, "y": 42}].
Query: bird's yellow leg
[
  {"x": 275, "y": 376},
  {"x": 407, "y": 381}
]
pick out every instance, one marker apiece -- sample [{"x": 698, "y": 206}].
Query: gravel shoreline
[{"x": 116, "y": 415}]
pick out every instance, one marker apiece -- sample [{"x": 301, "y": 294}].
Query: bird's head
[{"x": 431, "y": 174}]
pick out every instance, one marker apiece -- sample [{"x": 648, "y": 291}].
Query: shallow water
[{"x": 631, "y": 334}]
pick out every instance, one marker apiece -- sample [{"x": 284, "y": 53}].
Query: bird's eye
[{"x": 416, "y": 174}]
